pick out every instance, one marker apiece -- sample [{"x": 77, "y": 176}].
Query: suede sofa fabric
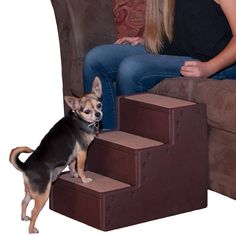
[{"x": 82, "y": 25}]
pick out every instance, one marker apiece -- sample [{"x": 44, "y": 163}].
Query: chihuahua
[{"x": 65, "y": 144}]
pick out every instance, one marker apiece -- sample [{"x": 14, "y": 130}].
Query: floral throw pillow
[{"x": 129, "y": 17}]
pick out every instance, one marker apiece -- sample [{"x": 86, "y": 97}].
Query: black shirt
[{"x": 201, "y": 30}]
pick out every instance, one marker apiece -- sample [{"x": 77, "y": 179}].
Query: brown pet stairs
[{"x": 154, "y": 165}]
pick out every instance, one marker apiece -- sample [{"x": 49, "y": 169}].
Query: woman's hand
[
  {"x": 130, "y": 40},
  {"x": 196, "y": 69}
]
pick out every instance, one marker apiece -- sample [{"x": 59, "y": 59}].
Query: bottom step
[
  {"x": 100, "y": 183},
  {"x": 84, "y": 202}
]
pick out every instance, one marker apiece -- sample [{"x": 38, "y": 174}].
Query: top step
[
  {"x": 157, "y": 100},
  {"x": 150, "y": 115}
]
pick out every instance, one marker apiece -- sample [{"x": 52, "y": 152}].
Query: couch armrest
[{"x": 82, "y": 24}]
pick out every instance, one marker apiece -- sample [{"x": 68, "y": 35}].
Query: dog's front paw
[{"x": 86, "y": 180}]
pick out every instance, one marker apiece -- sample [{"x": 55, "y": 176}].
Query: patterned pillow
[{"x": 129, "y": 17}]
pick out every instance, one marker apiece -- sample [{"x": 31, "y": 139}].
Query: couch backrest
[{"x": 129, "y": 17}]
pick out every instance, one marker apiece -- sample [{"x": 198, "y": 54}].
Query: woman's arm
[{"x": 225, "y": 58}]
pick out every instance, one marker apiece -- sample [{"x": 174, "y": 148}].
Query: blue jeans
[{"x": 127, "y": 69}]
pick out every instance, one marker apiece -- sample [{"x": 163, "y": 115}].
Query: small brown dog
[{"x": 65, "y": 144}]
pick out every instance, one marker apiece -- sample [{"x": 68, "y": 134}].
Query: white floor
[{"x": 31, "y": 102}]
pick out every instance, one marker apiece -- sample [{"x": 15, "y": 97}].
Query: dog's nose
[{"x": 97, "y": 114}]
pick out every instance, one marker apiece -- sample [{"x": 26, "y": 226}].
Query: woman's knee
[
  {"x": 129, "y": 73},
  {"x": 95, "y": 55}
]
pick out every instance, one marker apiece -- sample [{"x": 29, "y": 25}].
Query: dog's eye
[
  {"x": 99, "y": 105},
  {"x": 87, "y": 112}
]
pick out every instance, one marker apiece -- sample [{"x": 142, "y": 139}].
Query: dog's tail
[{"x": 14, "y": 157}]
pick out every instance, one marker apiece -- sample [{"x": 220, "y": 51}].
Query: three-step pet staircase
[{"x": 154, "y": 165}]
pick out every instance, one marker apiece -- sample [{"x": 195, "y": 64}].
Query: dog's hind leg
[
  {"x": 24, "y": 205},
  {"x": 72, "y": 168},
  {"x": 26, "y": 200},
  {"x": 40, "y": 200}
]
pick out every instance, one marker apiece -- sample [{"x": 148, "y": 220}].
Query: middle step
[{"x": 117, "y": 154}]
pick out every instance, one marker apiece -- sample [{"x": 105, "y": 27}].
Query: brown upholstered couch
[{"x": 83, "y": 24}]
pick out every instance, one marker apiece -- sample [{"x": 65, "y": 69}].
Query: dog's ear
[
  {"x": 72, "y": 102},
  {"x": 97, "y": 87}
]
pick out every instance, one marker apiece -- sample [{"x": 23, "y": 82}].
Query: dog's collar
[{"x": 94, "y": 125}]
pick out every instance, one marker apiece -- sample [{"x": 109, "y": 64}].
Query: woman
[{"x": 193, "y": 38}]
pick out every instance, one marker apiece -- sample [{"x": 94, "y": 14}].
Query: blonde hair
[{"x": 159, "y": 23}]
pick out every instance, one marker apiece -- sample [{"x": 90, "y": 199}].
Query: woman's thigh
[
  {"x": 140, "y": 73},
  {"x": 104, "y": 60}
]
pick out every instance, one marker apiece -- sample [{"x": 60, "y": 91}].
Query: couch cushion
[
  {"x": 218, "y": 95},
  {"x": 129, "y": 17},
  {"x": 181, "y": 88}
]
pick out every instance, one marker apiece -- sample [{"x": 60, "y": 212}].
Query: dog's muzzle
[{"x": 98, "y": 116}]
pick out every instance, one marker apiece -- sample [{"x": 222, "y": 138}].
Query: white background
[{"x": 31, "y": 102}]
